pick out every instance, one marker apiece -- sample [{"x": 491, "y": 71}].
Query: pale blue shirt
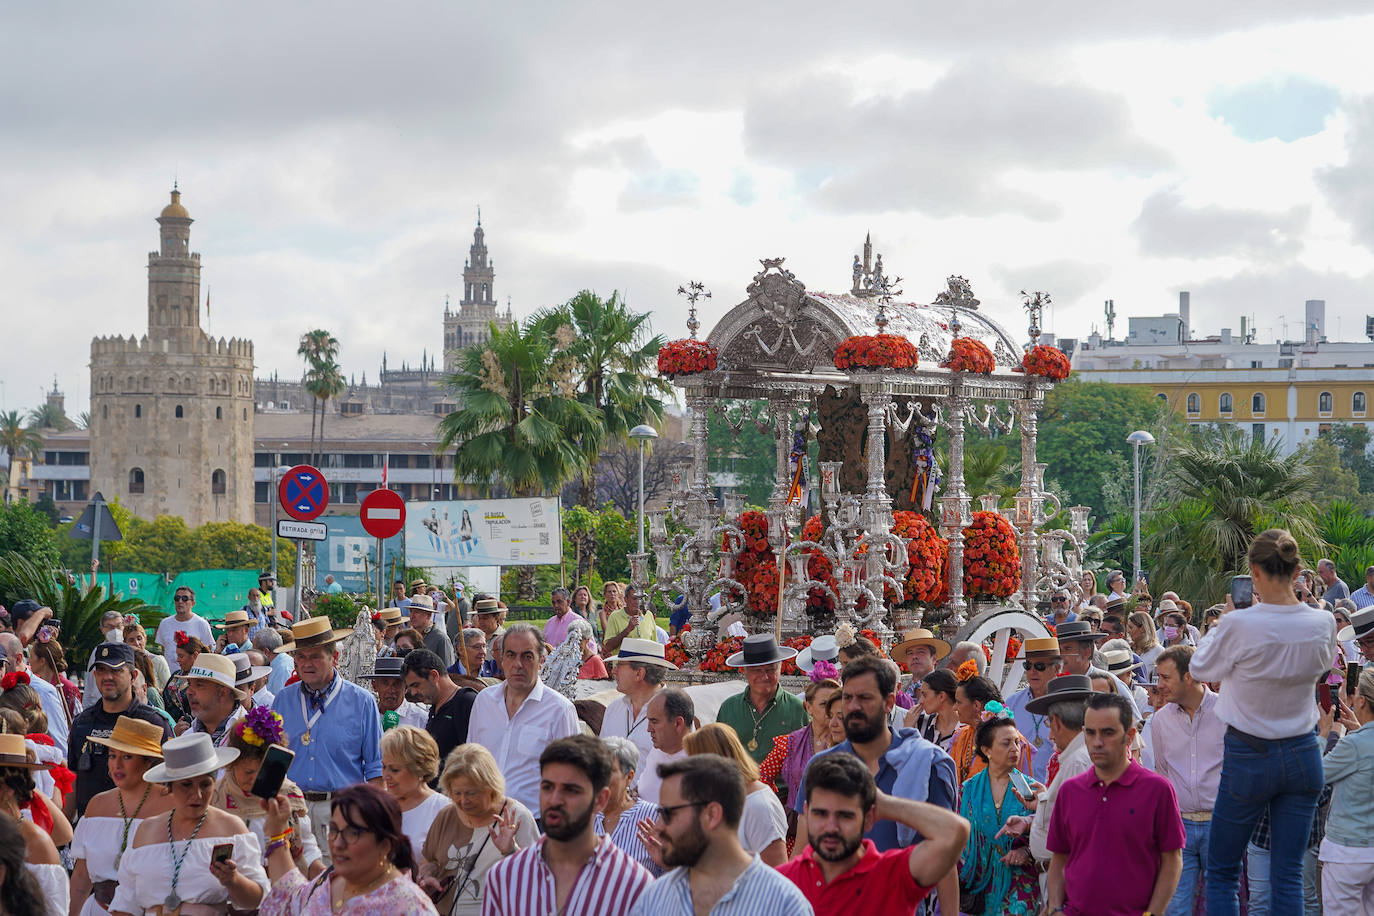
[
  {"x": 283, "y": 666},
  {"x": 1362, "y": 597},
  {"x": 1033, "y": 726},
  {"x": 758, "y": 891},
  {"x": 345, "y": 742},
  {"x": 54, "y": 708}
]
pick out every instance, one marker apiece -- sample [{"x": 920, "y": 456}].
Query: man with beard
[
  {"x": 570, "y": 870},
  {"x": 697, "y": 832},
  {"x": 841, "y": 871},
  {"x": 902, "y": 762}
]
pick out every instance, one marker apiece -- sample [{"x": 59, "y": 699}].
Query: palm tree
[
  {"x": 520, "y": 425},
  {"x": 613, "y": 357},
  {"x": 1227, "y": 489},
  {"x": 18, "y": 441},
  {"x": 316, "y": 347},
  {"x": 329, "y": 383},
  {"x": 48, "y": 416}
]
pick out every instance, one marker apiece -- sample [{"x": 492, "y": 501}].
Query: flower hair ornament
[
  {"x": 260, "y": 726},
  {"x": 995, "y": 710},
  {"x": 824, "y": 669},
  {"x": 844, "y": 636},
  {"x": 130, "y": 619},
  {"x": 967, "y": 670},
  {"x": 14, "y": 679},
  {"x": 45, "y": 634},
  {"x": 181, "y": 638}
]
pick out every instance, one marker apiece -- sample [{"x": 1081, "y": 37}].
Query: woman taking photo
[
  {"x": 997, "y": 874},
  {"x": 938, "y": 692},
  {"x": 17, "y": 792},
  {"x": 410, "y": 760},
  {"x": 48, "y": 660},
  {"x": 250, "y": 736},
  {"x": 112, "y": 818},
  {"x": 763, "y": 824},
  {"x": 624, "y": 813},
  {"x": 1267, "y": 657},
  {"x": 467, "y": 838},
  {"x": 170, "y": 863},
  {"x": 372, "y": 861},
  {"x": 1345, "y": 853},
  {"x": 793, "y": 751}
]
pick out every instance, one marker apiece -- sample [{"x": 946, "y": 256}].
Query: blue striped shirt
[
  {"x": 758, "y": 891},
  {"x": 345, "y": 742},
  {"x": 626, "y": 833}
]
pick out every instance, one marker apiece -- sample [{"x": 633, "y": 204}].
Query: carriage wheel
[{"x": 1002, "y": 624}]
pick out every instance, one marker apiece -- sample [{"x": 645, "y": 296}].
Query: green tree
[
  {"x": 1350, "y": 534},
  {"x": 316, "y": 347},
  {"x": 18, "y": 441},
  {"x": 1352, "y": 443},
  {"x": 25, "y": 531},
  {"x": 324, "y": 382},
  {"x": 612, "y": 362},
  {"x": 1335, "y": 480},
  {"x": 520, "y": 426},
  {"x": 48, "y": 416},
  {"x": 46, "y": 506},
  {"x": 748, "y": 456},
  {"x": 1224, "y": 491}
]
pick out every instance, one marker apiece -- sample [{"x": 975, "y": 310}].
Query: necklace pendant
[
  {"x": 305, "y": 738},
  {"x": 1039, "y": 741},
  {"x": 172, "y": 904},
  {"x": 753, "y": 744}
]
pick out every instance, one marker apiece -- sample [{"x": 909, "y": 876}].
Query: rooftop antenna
[{"x": 1110, "y": 310}]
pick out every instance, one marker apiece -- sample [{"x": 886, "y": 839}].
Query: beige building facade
[{"x": 171, "y": 420}]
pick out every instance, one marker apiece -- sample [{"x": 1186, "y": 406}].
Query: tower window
[
  {"x": 217, "y": 482},
  {"x": 1225, "y": 403},
  {"x": 219, "y": 413},
  {"x": 245, "y": 413},
  {"x": 136, "y": 480},
  {"x": 1257, "y": 403},
  {"x": 180, "y": 412},
  {"x": 138, "y": 411},
  {"x": 1194, "y": 403},
  {"x": 105, "y": 412},
  {"x": 1324, "y": 402}
]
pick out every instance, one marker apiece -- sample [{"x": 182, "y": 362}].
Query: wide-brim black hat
[
  {"x": 1065, "y": 688},
  {"x": 760, "y": 649},
  {"x": 1077, "y": 630}
]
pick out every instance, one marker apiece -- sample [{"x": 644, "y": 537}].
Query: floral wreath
[{"x": 261, "y": 726}]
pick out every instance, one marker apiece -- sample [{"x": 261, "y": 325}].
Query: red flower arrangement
[
  {"x": 798, "y": 643},
  {"x": 181, "y": 638},
  {"x": 876, "y": 351},
  {"x": 969, "y": 355},
  {"x": 1049, "y": 362},
  {"x": 14, "y": 679},
  {"x": 675, "y": 653},
  {"x": 1013, "y": 649},
  {"x": 927, "y": 557},
  {"x": 819, "y": 568},
  {"x": 967, "y": 670},
  {"x": 685, "y": 357},
  {"x": 717, "y": 654},
  {"x": 992, "y": 567},
  {"x": 756, "y": 565}
]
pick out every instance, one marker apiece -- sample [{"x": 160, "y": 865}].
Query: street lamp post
[
  {"x": 1137, "y": 439},
  {"x": 642, "y": 433}
]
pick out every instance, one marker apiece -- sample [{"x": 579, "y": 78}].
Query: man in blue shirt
[
  {"x": 1364, "y": 595},
  {"x": 332, "y": 724},
  {"x": 902, "y": 762}
]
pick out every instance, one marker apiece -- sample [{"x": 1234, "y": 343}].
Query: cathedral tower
[
  {"x": 172, "y": 412},
  {"x": 478, "y": 309}
]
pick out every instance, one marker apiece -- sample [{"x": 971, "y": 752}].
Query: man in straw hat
[
  {"x": 213, "y": 695},
  {"x": 1061, "y": 704},
  {"x": 333, "y": 724},
  {"x": 1041, "y": 661},
  {"x": 236, "y": 636},
  {"x": 639, "y": 668},
  {"x": 388, "y": 679},
  {"x": 435, "y": 637},
  {"x": 391, "y": 620},
  {"x": 487, "y": 614},
  {"x": 920, "y": 650},
  {"x": 113, "y": 667},
  {"x": 762, "y": 710}
]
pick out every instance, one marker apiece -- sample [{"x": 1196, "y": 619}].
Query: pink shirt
[
  {"x": 1188, "y": 751},
  {"x": 1113, "y": 836},
  {"x": 556, "y": 628}
]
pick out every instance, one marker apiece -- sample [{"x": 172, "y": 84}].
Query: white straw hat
[{"x": 190, "y": 755}]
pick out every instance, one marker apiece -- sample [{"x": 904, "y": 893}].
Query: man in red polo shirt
[
  {"x": 841, "y": 872},
  {"x": 1115, "y": 833}
]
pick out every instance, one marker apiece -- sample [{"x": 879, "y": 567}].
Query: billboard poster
[
  {"x": 484, "y": 532},
  {"x": 348, "y": 554}
]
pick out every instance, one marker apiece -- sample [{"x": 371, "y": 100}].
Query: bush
[{"x": 342, "y": 610}]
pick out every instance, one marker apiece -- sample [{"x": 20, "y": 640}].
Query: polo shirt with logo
[
  {"x": 880, "y": 883},
  {"x": 1114, "y": 836}
]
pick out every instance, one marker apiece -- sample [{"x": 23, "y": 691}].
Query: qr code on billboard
[{"x": 543, "y": 539}]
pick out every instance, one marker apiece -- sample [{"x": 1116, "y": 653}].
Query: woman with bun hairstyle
[{"x": 1268, "y": 658}]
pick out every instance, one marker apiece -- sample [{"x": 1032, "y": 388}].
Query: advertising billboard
[{"x": 484, "y": 532}]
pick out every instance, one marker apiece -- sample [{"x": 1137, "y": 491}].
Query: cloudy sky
[{"x": 334, "y": 156}]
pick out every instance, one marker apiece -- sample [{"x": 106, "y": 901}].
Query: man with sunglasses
[
  {"x": 185, "y": 619},
  {"x": 1041, "y": 660},
  {"x": 1361, "y": 630},
  {"x": 1060, "y": 610}
]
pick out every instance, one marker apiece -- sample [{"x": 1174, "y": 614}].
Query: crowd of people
[{"x": 1146, "y": 758}]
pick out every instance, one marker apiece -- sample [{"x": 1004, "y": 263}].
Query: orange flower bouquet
[
  {"x": 686, "y": 357},
  {"x": 875, "y": 351},
  {"x": 927, "y": 557},
  {"x": 992, "y": 566},
  {"x": 1048, "y": 362},
  {"x": 969, "y": 355}
]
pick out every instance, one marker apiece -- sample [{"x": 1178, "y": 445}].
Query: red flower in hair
[
  {"x": 13, "y": 679},
  {"x": 181, "y": 638}
]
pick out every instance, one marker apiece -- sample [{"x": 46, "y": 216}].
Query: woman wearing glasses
[{"x": 372, "y": 861}]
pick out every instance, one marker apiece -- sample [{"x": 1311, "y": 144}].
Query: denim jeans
[
  {"x": 1311, "y": 883},
  {"x": 1286, "y": 776},
  {"x": 1257, "y": 879},
  {"x": 1194, "y": 869}
]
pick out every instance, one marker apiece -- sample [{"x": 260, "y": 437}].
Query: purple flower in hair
[{"x": 823, "y": 669}]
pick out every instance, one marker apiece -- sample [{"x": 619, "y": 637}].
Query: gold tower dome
[{"x": 175, "y": 209}]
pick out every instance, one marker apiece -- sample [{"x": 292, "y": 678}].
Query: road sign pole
[
  {"x": 382, "y": 599},
  {"x": 299, "y": 609}
]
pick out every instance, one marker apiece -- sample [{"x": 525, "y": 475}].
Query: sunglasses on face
[
  {"x": 1044, "y": 666},
  {"x": 181, "y": 598},
  {"x": 1058, "y": 600}
]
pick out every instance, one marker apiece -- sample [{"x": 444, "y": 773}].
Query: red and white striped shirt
[{"x": 522, "y": 885}]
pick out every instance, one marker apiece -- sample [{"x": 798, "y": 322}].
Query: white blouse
[
  {"x": 97, "y": 841},
  {"x": 416, "y": 822},
  {"x": 762, "y": 821},
  {"x": 145, "y": 873},
  {"x": 52, "y": 881}
]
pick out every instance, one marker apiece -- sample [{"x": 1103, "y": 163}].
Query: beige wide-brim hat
[
  {"x": 216, "y": 668},
  {"x": 308, "y": 634},
  {"x": 15, "y": 753},
  {"x": 233, "y": 619},
  {"x": 421, "y": 603},
  {"x": 1047, "y": 646},
  {"x": 919, "y": 637},
  {"x": 644, "y": 651},
  {"x": 188, "y": 756},
  {"x": 486, "y": 606},
  {"x": 1119, "y": 661},
  {"x": 393, "y": 617},
  {"x": 134, "y": 736}
]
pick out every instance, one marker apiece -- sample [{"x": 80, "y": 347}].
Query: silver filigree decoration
[
  {"x": 959, "y": 292},
  {"x": 693, "y": 290}
]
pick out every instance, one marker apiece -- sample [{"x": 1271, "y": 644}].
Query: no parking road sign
[
  {"x": 383, "y": 513},
  {"x": 304, "y": 493}
]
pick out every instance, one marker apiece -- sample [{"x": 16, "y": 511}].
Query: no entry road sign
[
  {"x": 383, "y": 513},
  {"x": 304, "y": 493}
]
